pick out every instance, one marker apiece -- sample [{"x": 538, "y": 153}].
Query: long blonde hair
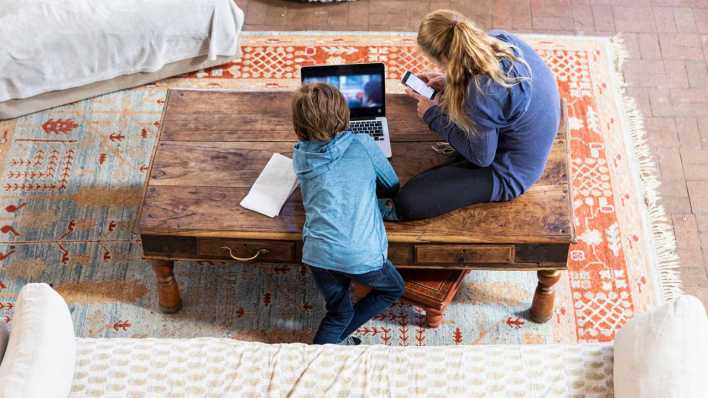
[{"x": 471, "y": 54}]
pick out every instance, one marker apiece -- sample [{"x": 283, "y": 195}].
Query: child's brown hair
[{"x": 319, "y": 112}]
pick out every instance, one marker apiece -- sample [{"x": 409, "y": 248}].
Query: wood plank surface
[
  {"x": 238, "y": 164},
  {"x": 536, "y": 217},
  {"x": 226, "y": 116},
  {"x": 213, "y": 145}
]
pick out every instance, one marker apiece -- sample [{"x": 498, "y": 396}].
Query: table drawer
[
  {"x": 464, "y": 254},
  {"x": 248, "y": 250}
]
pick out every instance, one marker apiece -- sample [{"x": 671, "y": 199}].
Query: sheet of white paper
[{"x": 273, "y": 187}]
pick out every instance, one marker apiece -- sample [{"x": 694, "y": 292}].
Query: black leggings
[{"x": 444, "y": 188}]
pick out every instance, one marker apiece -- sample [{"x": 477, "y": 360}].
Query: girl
[{"x": 498, "y": 108}]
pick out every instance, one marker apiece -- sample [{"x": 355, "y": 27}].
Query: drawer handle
[{"x": 246, "y": 259}]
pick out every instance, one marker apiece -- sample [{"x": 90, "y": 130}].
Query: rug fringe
[{"x": 664, "y": 241}]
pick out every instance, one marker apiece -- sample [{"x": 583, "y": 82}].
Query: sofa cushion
[
  {"x": 222, "y": 367},
  {"x": 87, "y": 41},
  {"x": 40, "y": 355},
  {"x": 663, "y": 353}
]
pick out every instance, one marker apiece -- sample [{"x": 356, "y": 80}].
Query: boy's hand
[{"x": 423, "y": 103}]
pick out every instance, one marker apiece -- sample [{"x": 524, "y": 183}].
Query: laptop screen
[{"x": 363, "y": 85}]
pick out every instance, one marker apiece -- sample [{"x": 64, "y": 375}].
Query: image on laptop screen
[{"x": 361, "y": 91}]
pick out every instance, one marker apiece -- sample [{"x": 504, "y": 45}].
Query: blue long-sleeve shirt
[
  {"x": 514, "y": 127},
  {"x": 344, "y": 229}
]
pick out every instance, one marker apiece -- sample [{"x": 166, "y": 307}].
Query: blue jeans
[{"x": 342, "y": 317}]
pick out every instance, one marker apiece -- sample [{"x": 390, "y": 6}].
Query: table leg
[
  {"x": 167, "y": 289},
  {"x": 543, "y": 299},
  {"x": 434, "y": 318}
]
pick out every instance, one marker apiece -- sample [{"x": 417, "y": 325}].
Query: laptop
[{"x": 364, "y": 87}]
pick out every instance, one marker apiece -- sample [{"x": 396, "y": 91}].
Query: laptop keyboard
[{"x": 374, "y": 128}]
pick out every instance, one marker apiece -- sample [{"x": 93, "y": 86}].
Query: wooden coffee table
[{"x": 213, "y": 145}]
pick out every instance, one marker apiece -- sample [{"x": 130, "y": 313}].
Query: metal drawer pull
[{"x": 246, "y": 259}]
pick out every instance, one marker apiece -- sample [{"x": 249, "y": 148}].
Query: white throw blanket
[
  {"x": 212, "y": 367},
  {"x": 59, "y": 44}
]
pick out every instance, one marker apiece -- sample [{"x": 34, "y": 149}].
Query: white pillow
[
  {"x": 663, "y": 353},
  {"x": 40, "y": 356}
]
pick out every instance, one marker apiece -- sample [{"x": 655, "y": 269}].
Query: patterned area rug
[{"x": 72, "y": 181}]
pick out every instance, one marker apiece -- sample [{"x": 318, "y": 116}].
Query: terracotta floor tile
[
  {"x": 634, "y": 19},
  {"x": 673, "y": 3},
  {"x": 551, "y": 8},
  {"x": 685, "y": 21},
  {"x": 697, "y": 72},
  {"x": 701, "y": 19},
  {"x": 280, "y": 15},
  {"x": 704, "y": 241},
  {"x": 702, "y": 223},
  {"x": 691, "y": 257},
  {"x": 645, "y": 72},
  {"x": 521, "y": 15},
  {"x": 442, "y": 4},
  {"x": 695, "y": 156},
  {"x": 552, "y": 24},
  {"x": 694, "y": 278},
  {"x": 698, "y": 194},
  {"x": 695, "y": 161},
  {"x": 338, "y": 15},
  {"x": 661, "y": 102},
  {"x": 358, "y": 14},
  {"x": 388, "y": 15},
  {"x": 687, "y": 131},
  {"x": 676, "y": 204},
  {"x": 669, "y": 163},
  {"x": 703, "y": 132},
  {"x": 664, "y": 19},
  {"x": 642, "y": 97},
  {"x": 256, "y": 13},
  {"x": 676, "y": 188},
  {"x": 696, "y": 172},
  {"x": 633, "y": 3},
  {"x": 662, "y": 132},
  {"x": 686, "y": 231},
  {"x": 676, "y": 75},
  {"x": 681, "y": 46},
  {"x": 689, "y": 101},
  {"x": 502, "y": 15},
  {"x": 472, "y": 8},
  {"x": 583, "y": 18},
  {"x": 603, "y": 18},
  {"x": 649, "y": 45}
]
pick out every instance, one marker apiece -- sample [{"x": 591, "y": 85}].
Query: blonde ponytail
[{"x": 470, "y": 53}]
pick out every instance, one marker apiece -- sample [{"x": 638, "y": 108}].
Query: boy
[{"x": 344, "y": 235}]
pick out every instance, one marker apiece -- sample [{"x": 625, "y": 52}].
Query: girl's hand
[
  {"x": 434, "y": 79},
  {"x": 423, "y": 103}
]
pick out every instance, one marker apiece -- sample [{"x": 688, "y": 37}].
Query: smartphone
[{"x": 416, "y": 84}]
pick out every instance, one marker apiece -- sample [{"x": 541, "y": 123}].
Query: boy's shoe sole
[{"x": 351, "y": 340}]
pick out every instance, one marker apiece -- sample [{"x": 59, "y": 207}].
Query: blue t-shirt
[
  {"x": 344, "y": 229},
  {"x": 514, "y": 127}
]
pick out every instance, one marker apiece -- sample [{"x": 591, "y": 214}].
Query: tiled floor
[{"x": 666, "y": 71}]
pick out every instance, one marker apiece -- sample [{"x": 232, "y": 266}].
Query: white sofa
[
  {"x": 56, "y": 52},
  {"x": 44, "y": 359}
]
